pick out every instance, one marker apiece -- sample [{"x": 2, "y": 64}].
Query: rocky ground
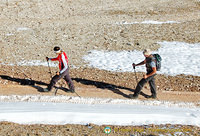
[
  {"x": 30, "y": 29},
  {"x": 11, "y": 129}
]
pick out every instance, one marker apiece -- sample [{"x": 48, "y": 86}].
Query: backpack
[{"x": 158, "y": 61}]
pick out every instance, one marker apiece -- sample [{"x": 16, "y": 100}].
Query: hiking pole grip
[{"x": 133, "y": 65}]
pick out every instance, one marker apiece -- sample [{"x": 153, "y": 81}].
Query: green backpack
[{"x": 158, "y": 61}]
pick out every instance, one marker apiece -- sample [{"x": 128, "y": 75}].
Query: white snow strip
[
  {"x": 22, "y": 29},
  {"x": 82, "y": 100},
  {"x": 146, "y": 22},
  {"x": 100, "y": 114},
  {"x": 177, "y": 58},
  {"x": 8, "y": 64},
  {"x": 157, "y": 22},
  {"x": 36, "y": 63},
  {"x": 9, "y": 34}
]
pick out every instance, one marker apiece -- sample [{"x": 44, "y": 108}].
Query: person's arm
[
  {"x": 141, "y": 63},
  {"x": 153, "y": 66},
  {"x": 151, "y": 74},
  {"x": 53, "y": 59},
  {"x": 65, "y": 63}
]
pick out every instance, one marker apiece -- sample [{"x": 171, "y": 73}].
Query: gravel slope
[{"x": 30, "y": 29}]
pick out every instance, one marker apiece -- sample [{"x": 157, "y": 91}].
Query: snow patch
[
  {"x": 36, "y": 63},
  {"x": 8, "y": 64},
  {"x": 177, "y": 58},
  {"x": 22, "y": 29},
  {"x": 100, "y": 114},
  {"x": 10, "y": 34},
  {"x": 146, "y": 22},
  {"x": 61, "y": 110}
]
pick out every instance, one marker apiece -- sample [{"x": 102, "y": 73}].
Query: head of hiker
[
  {"x": 57, "y": 50},
  {"x": 147, "y": 52}
]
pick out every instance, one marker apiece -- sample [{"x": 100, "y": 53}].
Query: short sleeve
[{"x": 153, "y": 64}]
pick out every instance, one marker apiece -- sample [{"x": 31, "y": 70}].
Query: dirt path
[{"x": 100, "y": 93}]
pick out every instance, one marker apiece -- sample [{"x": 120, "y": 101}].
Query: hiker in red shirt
[{"x": 64, "y": 70}]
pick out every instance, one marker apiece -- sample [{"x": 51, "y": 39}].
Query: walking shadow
[
  {"x": 30, "y": 82},
  {"x": 103, "y": 85}
]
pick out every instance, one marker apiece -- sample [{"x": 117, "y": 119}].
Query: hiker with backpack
[
  {"x": 64, "y": 70},
  {"x": 151, "y": 68}
]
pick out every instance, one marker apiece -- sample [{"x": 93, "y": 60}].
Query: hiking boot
[
  {"x": 72, "y": 90},
  {"x": 45, "y": 90},
  {"x": 151, "y": 96},
  {"x": 133, "y": 96},
  {"x": 154, "y": 96}
]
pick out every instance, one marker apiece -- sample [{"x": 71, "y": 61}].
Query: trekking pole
[
  {"x": 135, "y": 74},
  {"x": 77, "y": 94},
  {"x": 49, "y": 68}
]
